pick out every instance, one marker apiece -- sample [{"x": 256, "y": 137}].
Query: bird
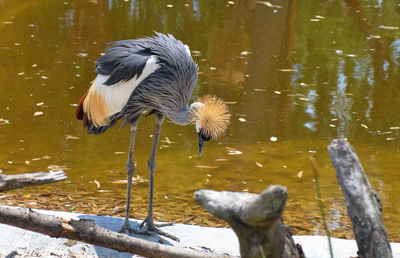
[{"x": 152, "y": 75}]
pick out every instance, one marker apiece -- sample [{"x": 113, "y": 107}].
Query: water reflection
[{"x": 303, "y": 72}]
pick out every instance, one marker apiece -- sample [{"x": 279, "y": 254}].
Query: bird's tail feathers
[
  {"x": 80, "y": 114},
  {"x": 92, "y": 129}
]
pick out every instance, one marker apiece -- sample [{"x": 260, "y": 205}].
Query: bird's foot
[
  {"x": 151, "y": 226},
  {"x": 126, "y": 228}
]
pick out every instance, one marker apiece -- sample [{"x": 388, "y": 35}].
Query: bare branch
[
  {"x": 87, "y": 231},
  {"x": 256, "y": 220},
  {"x": 9, "y": 182},
  {"x": 362, "y": 202}
]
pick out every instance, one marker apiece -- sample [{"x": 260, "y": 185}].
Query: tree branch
[
  {"x": 362, "y": 202},
  {"x": 256, "y": 220},
  {"x": 87, "y": 231},
  {"x": 9, "y": 182}
]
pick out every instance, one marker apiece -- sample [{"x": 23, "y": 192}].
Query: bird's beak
[{"x": 201, "y": 144}]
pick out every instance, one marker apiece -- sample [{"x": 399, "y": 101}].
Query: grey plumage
[
  {"x": 154, "y": 74},
  {"x": 166, "y": 91}
]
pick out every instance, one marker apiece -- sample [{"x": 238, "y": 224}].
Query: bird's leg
[
  {"x": 151, "y": 167},
  {"x": 130, "y": 171}
]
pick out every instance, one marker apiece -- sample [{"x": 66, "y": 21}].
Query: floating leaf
[
  {"x": 245, "y": 53},
  {"x": 166, "y": 140},
  {"x": 71, "y": 137},
  {"x": 388, "y": 27},
  {"x": 273, "y": 139},
  {"x": 104, "y": 191},
  {"x": 97, "y": 183},
  {"x": 339, "y": 52},
  {"x": 204, "y": 166},
  {"x": 4, "y": 121},
  {"x": 135, "y": 180},
  {"x": 266, "y": 3},
  {"x": 56, "y": 167},
  {"x": 82, "y": 54},
  {"x": 300, "y": 174},
  {"x": 374, "y": 36},
  {"x": 287, "y": 70},
  {"x": 120, "y": 181},
  {"x": 232, "y": 151}
]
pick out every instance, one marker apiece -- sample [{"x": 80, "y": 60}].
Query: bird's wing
[
  {"x": 123, "y": 67},
  {"x": 122, "y": 61}
]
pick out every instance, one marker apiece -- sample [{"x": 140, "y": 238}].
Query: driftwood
[
  {"x": 9, "y": 182},
  {"x": 87, "y": 231},
  {"x": 362, "y": 202},
  {"x": 256, "y": 220}
]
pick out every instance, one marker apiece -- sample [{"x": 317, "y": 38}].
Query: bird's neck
[{"x": 186, "y": 116}]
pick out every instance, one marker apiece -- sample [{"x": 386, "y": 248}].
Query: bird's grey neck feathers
[
  {"x": 186, "y": 116},
  {"x": 182, "y": 118}
]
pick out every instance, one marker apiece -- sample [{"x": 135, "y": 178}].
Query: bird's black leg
[
  {"x": 151, "y": 167},
  {"x": 130, "y": 171}
]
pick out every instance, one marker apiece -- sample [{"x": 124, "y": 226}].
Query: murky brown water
[{"x": 303, "y": 72}]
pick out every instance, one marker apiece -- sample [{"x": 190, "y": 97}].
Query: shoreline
[{"x": 22, "y": 242}]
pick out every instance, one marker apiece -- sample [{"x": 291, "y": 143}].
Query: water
[{"x": 295, "y": 74}]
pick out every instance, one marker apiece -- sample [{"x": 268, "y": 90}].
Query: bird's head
[{"x": 211, "y": 118}]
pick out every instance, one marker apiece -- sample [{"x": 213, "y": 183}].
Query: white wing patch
[
  {"x": 187, "y": 50},
  {"x": 114, "y": 97}
]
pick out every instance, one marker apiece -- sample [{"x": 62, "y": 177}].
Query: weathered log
[
  {"x": 87, "y": 231},
  {"x": 362, "y": 202},
  {"x": 9, "y": 182},
  {"x": 256, "y": 220}
]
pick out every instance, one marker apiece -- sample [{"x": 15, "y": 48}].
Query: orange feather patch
[{"x": 95, "y": 107}]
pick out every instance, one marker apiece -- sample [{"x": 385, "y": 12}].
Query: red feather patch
[{"x": 79, "y": 113}]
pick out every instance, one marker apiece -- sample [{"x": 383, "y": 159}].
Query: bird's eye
[{"x": 204, "y": 136}]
